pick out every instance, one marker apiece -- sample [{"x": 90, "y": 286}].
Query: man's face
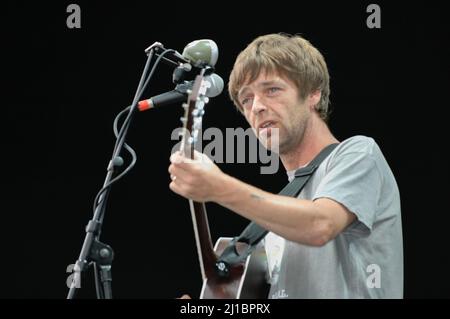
[{"x": 273, "y": 102}]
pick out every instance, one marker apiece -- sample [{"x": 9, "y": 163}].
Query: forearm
[{"x": 294, "y": 219}]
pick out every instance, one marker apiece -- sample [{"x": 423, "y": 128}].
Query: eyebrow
[{"x": 262, "y": 84}]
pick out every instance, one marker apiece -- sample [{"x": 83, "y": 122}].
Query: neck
[{"x": 317, "y": 136}]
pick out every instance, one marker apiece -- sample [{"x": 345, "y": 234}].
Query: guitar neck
[
  {"x": 207, "y": 257},
  {"x": 193, "y": 112}
]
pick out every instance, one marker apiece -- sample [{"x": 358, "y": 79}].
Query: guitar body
[{"x": 246, "y": 281}]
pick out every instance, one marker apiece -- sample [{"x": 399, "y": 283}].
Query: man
[{"x": 342, "y": 236}]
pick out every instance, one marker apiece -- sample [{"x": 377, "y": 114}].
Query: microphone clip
[
  {"x": 184, "y": 87},
  {"x": 152, "y": 47},
  {"x": 184, "y": 72}
]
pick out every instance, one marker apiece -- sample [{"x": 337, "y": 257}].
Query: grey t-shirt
[{"x": 366, "y": 259}]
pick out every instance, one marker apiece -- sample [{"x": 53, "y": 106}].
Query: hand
[{"x": 198, "y": 179}]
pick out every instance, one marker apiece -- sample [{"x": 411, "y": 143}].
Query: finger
[
  {"x": 181, "y": 173},
  {"x": 178, "y": 188},
  {"x": 202, "y": 158},
  {"x": 174, "y": 187},
  {"x": 183, "y": 176},
  {"x": 185, "y": 165},
  {"x": 179, "y": 179},
  {"x": 176, "y": 158}
]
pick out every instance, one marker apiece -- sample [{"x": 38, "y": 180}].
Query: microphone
[
  {"x": 180, "y": 93},
  {"x": 201, "y": 52},
  {"x": 198, "y": 53}
]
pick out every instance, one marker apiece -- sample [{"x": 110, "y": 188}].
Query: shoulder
[
  {"x": 357, "y": 144},
  {"x": 355, "y": 152}
]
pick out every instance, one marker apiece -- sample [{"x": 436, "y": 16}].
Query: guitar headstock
[{"x": 193, "y": 114}]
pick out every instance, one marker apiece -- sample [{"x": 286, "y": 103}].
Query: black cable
[
  {"x": 120, "y": 141},
  {"x": 94, "y": 230},
  {"x": 120, "y": 136},
  {"x": 138, "y": 95}
]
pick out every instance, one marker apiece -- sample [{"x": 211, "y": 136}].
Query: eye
[
  {"x": 273, "y": 90},
  {"x": 245, "y": 102}
]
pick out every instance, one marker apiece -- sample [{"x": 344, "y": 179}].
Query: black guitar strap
[{"x": 254, "y": 233}]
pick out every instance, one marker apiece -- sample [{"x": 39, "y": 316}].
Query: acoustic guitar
[{"x": 245, "y": 280}]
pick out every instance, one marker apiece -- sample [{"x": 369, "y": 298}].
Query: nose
[{"x": 258, "y": 105}]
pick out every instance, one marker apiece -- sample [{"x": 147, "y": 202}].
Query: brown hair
[{"x": 291, "y": 56}]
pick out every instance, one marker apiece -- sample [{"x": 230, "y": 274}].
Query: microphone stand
[{"x": 93, "y": 251}]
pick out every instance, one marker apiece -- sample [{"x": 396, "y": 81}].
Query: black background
[{"x": 61, "y": 89}]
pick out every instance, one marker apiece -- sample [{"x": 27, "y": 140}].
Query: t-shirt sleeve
[{"x": 353, "y": 180}]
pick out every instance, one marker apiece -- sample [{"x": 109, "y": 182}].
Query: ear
[{"x": 313, "y": 99}]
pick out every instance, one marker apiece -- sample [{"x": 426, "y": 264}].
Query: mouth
[{"x": 265, "y": 127}]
